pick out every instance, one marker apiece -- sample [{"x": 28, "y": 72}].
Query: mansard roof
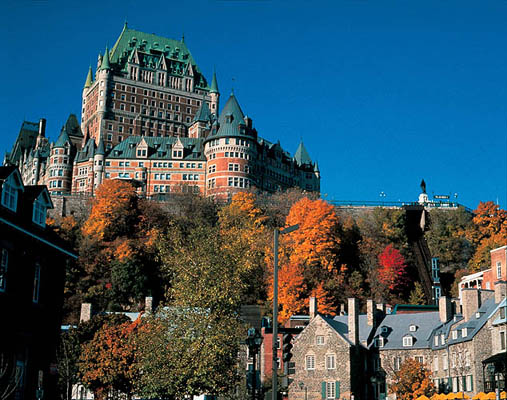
[
  {"x": 150, "y": 49},
  {"x": 159, "y": 148},
  {"x": 100, "y": 148},
  {"x": 396, "y": 326}
]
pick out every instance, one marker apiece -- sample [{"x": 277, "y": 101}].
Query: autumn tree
[
  {"x": 309, "y": 261},
  {"x": 417, "y": 295},
  {"x": 392, "y": 268},
  {"x": 489, "y": 231},
  {"x": 191, "y": 347},
  {"x": 108, "y": 362},
  {"x": 243, "y": 231},
  {"x": 412, "y": 381}
]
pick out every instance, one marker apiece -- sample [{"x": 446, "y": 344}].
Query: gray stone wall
[{"x": 306, "y": 344}]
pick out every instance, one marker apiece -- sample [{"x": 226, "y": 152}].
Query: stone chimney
[
  {"x": 470, "y": 302},
  {"x": 313, "y": 307},
  {"x": 381, "y": 307},
  {"x": 42, "y": 127},
  {"x": 370, "y": 312},
  {"x": 353, "y": 320},
  {"x": 445, "y": 309},
  {"x": 342, "y": 309},
  {"x": 86, "y": 312},
  {"x": 500, "y": 291},
  {"x": 148, "y": 305}
]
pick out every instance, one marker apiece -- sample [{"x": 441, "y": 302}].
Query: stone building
[{"x": 149, "y": 116}]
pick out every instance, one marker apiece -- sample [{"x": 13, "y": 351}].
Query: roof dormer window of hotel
[
  {"x": 455, "y": 334},
  {"x": 10, "y": 188},
  {"x": 498, "y": 269},
  {"x": 384, "y": 329},
  {"x": 40, "y": 207},
  {"x": 464, "y": 332},
  {"x": 413, "y": 328}
]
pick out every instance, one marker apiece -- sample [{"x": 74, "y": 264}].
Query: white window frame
[
  {"x": 310, "y": 362},
  {"x": 413, "y": 328},
  {"x": 408, "y": 341},
  {"x": 330, "y": 390},
  {"x": 435, "y": 363},
  {"x": 330, "y": 361},
  {"x": 319, "y": 340},
  {"x": 39, "y": 212},
  {"x": 498, "y": 269},
  {"x": 10, "y": 194}
]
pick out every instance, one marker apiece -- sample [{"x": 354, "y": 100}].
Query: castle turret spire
[
  {"x": 105, "y": 60},
  {"x": 89, "y": 78},
  {"x": 214, "y": 84}
]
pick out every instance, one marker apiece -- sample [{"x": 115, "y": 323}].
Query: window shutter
[
  {"x": 323, "y": 390},
  {"x": 337, "y": 390},
  {"x": 471, "y": 383},
  {"x": 464, "y": 384}
]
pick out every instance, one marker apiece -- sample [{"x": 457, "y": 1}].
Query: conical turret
[
  {"x": 214, "y": 84},
  {"x": 105, "y": 60},
  {"x": 89, "y": 78},
  {"x": 302, "y": 156}
]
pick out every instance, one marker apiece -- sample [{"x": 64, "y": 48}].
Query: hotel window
[
  {"x": 435, "y": 364},
  {"x": 330, "y": 361},
  {"x": 502, "y": 341},
  {"x": 39, "y": 213},
  {"x": 9, "y": 195},
  {"x": 419, "y": 359},
  {"x": 469, "y": 383},
  {"x": 310, "y": 362},
  {"x": 319, "y": 340},
  {"x": 454, "y": 334},
  {"x": 498, "y": 269},
  {"x": 445, "y": 362},
  {"x": 397, "y": 363},
  {"x": 4, "y": 262}
]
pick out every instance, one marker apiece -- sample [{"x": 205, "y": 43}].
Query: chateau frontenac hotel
[{"x": 149, "y": 116}]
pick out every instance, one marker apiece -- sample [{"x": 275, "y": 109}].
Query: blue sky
[{"x": 383, "y": 93}]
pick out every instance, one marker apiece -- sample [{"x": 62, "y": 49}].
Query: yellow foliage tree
[{"x": 412, "y": 381}]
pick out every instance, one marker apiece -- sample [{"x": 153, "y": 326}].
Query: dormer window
[
  {"x": 408, "y": 341},
  {"x": 464, "y": 332},
  {"x": 413, "y": 328},
  {"x": 39, "y": 213},
  {"x": 384, "y": 329},
  {"x": 10, "y": 188},
  {"x": 454, "y": 334},
  {"x": 379, "y": 342}
]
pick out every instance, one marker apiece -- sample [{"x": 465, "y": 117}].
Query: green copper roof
[
  {"x": 214, "y": 84},
  {"x": 302, "y": 156},
  {"x": 105, "y": 60},
  {"x": 203, "y": 114},
  {"x": 232, "y": 108},
  {"x": 316, "y": 167},
  {"x": 89, "y": 78},
  {"x": 151, "y": 48},
  {"x": 72, "y": 126},
  {"x": 100, "y": 149},
  {"x": 63, "y": 138},
  {"x": 87, "y": 152}
]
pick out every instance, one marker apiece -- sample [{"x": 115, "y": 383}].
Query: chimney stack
[
  {"x": 470, "y": 302},
  {"x": 342, "y": 309},
  {"x": 381, "y": 307},
  {"x": 42, "y": 127},
  {"x": 86, "y": 312},
  {"x": 313, "y": 307},
  {"x": 148, "y": 305},
  {"x": 370, "y": 312},
  {"x": 500, "y": 291},
  {"x": 444, "y": 309},
  {"x": 353, "y": 320}
]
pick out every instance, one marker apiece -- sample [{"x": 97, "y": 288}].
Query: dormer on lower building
[{"x": 11, "y": 185}]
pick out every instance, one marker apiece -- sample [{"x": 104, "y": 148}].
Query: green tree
[{"x": 417, "y": 295}]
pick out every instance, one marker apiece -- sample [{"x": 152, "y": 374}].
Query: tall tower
[
  {"x": 230, "y": 150},
  {"x": 214, "y": 94}
]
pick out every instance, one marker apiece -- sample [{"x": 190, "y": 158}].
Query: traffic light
[{"x": 287, "y": 347}]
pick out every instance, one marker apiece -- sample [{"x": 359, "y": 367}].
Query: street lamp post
[
  {"x": 277, "y": 232},
  {"x": 254, "y": 341},
  {"x": 303, "y": 386}
]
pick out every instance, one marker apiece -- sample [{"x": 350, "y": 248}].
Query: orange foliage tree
[
  {"x": 412, "y": 381},
  {"x": 392, "y": 268},
  {"x": 308, "y": 257},
  {"x": 489, "y": 231},
  {"x": 108, "y": 361},
  {"x": 114, "y": 211}
]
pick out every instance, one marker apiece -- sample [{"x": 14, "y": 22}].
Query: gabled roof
[
  {"x": 6, "y": 171},
  {"x": 26, "y": 140},
  {"x": 341, "y": 325},
  {"x": 32, "y": 192},
  {"x": 302, "y": 156}
]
